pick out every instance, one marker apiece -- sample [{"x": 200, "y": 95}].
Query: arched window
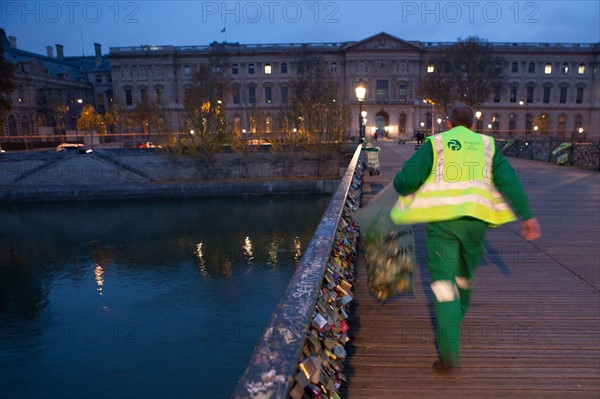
[{"x": 126, "y": 73}]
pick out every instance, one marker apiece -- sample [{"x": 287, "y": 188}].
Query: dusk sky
[{"x": 78, "y": 24}]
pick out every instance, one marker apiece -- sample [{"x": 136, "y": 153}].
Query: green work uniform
[{"x": 455, "y": 246}]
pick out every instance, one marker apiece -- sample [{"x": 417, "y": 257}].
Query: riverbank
[{"x": 129, "y": 174}]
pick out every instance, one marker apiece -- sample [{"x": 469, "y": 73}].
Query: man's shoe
[{"x": 440, "y": 367}]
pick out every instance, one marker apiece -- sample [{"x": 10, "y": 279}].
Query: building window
[
  {"x": 237, "y": 124},
  {"x": 21, "y": 94},
  {"x": 579, "y": 98},
  {"x": 25, "y": 130},
  {"x": 187, "y": 71},
  {"x": 402, "y": 93},
  {"x": 496, "y": 123},
  {"x": 531, "y": 67},
  {"x": 159, "y": 95},
  {"x": 497, "y": 91},
  {"x": 564, "y": 69},
  {"x": 402, "y": 123},
  {"x": 515, "y": 67},
  {"x": 530, "y": 90},
  {"x": 528, "y": 123},
  {"x": 334, "y": 67},
  {"x": 512, "y": 122},
  {"x": 98, "y": 78},
  {"x": 236, "y": 95},
  {"x": 581, "y": 69},
  {"x": 430, "y": 68},
  {"x": 251, "y": 94},
  {"x": 284, "y": 94},
  {"x": 268, "y": 123},
  {"x": 128, "y": 97},
  {"x": 13, "y": 129},
  {"x": 547, "y": 94},
  {"x": 578, "y": 121},
  {"x": 235, "y": 69},
  {"x": 144, "y": 94},
  {"x": 513, "y": 94},
  {"x": 548, "y": 69},
  {"x": 562, "y": 123},
  {"x": 108, "y": 78},
  {"x": 268, "y": 69},
  {"x": 251, "y": 69},
  {"x": 268, "y": 94},
  {"x": 563, "y": 94},
  {"x": 284, "y": 68},
  {"x": 381, "y": 90},
  {"x": 100, "y": 101}
]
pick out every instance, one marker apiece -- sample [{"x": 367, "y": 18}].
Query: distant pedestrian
[
  {"x": 458, "y": 203},
  {"x": 375, "y": 136}
]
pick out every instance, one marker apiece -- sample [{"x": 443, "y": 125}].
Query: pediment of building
[{"x": 382, "y": 42}]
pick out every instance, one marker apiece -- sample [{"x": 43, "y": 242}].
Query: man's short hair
[{"x": 462, "y": 115}]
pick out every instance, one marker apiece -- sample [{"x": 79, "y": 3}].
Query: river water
[{"x": 142, "y": 299}]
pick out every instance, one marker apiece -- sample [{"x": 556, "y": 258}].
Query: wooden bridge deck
[{"x": 533, "y": 330}]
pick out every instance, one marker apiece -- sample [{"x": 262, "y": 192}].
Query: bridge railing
[{"x": 302, "y": 345}]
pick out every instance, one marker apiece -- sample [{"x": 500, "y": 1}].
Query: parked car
[
  {"x": 79, "y": 148},
  {"x": 149, "y": 144}
]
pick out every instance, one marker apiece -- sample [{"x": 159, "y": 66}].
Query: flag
[{"x": 222, "y": 30}]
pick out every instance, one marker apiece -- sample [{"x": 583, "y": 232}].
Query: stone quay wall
[{"x": 153, "y": 173}]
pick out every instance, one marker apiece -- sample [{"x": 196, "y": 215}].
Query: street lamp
[
  {"x": 77, "y": 110},
  {"x": 361, "y": 92},
  {"x": 430, "y": 101},
  {"x": 439, "y": 121},
  {"x": 478, "y": 116},
  {"x": 489, "y": 128},
  {"x": 535, "y": 129}
]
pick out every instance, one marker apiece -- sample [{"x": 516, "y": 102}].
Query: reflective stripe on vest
[{"x": 458, "y": 186}]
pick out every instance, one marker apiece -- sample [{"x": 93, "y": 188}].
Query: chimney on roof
[
  {"x": 49, "y": 51},
  {"x": 59, "y": 52},
  {"x": 98, "y": 50},
  {"x": 13, "y": 41}
]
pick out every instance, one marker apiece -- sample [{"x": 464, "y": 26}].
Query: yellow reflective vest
[{"x": 460, "y": 184}]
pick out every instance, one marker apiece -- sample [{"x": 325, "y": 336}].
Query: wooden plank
[{"x": 533, "y": 330}]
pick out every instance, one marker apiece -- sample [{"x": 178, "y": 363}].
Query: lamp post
[
  {"x": 361, "y": 92},
  {"x": 580, "y": 131},
  {"x": 489, "y": 128},
  {"x": 363, "y": 122},
  {"x": 77, "y": 110},
  {"x": 535, "y": 129},
  {"x": 478, "y": 116},
  {"x": 439, "y": 121},
  {"x": 430, "y": 101}
]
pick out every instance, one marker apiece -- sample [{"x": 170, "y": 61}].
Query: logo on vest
[{"x": 454, "y": 145}]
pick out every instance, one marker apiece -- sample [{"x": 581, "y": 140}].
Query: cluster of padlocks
[{"x": 319, "y": 373}]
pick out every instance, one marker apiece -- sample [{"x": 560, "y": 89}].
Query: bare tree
[{"x": 467, "y": 72}]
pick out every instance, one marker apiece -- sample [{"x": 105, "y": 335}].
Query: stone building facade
[{"x": 560, "y": 81}]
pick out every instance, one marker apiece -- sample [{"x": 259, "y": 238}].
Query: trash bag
[{"x": 389, "y": 248}]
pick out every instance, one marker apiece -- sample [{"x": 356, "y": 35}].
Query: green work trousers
[{"x": 454, "y": 249}]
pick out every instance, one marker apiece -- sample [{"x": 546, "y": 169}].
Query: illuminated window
[
  {"x": 548, "y": 69},
  {"x": 430, "y": 68},
  {"x": 564, "y": 69},
  {"x": 581, "y": 69},
  {"x": 268, "y": 69}
]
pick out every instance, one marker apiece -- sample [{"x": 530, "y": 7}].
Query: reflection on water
[{"x": 143, "y": 298}]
